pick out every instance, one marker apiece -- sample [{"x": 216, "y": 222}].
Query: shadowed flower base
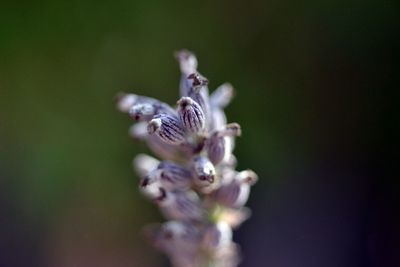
[{"x": 195, "y": 185}]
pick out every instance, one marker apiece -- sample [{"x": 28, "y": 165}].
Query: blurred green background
[{"x": 311, "y": 80}]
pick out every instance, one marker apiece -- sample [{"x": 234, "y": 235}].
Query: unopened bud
[
  {"x": 181, "y": 206},
  {"x": 142, "y": 111},
  {"x": 219, "y": 145},
  {"x": 188, "y": 64},
  {"x": 232, "y": 129},
  {"x": 222, "y": 96},
  {"x": 139, "y": 130},
  {"x": 236, "y": 192},
  {"x": 204, "y": 171},
  {"x": 152, "y": 189},
  {"x": 216, "y": 148},
  {"x": 168, "y": 128},
  {"x": 144, "y": 164},
  {"x": 197, "y": 80},
  {"x": 146, "y": 111},
  {"x": 217, "y": 119},
  {"x": 174, "y": 176},
  {"x": 126, "y": 101},
  {"x": 191, "y": 114},
  {"x": 199, "y": 91},
  {"x": 247, "y": 176},
  {"x": 187, "y": 61}
]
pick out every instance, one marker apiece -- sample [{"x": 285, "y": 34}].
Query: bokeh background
[{"x": 314, "y": 99}]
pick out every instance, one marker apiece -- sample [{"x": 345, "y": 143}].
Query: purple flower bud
[
  {"x": 203, "y": 170},
  {"x": 228, "y": 194},
  {"x": 188, "y": 64},
  {"x": 191, "y": 115},
  {"x": 219, "y": 145},
  {"x": 168, "y": 128},
  {"x": 236, "y": 192},
  {"x": 146, "y": 111},
  {"x": 199, "y": 91},
  {"x": 178, "y": 205},
  {"x": 197, "y": 80},
  {"x": 222, "y": 96},
  {"x": 216, "y": 148},
  {"x": 174, "y": 176}
]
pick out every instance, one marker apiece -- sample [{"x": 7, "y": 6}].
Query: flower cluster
[{"x": 195, "y": 185}]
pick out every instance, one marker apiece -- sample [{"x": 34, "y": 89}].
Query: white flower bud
[
  {"x": 144, "y": 164},
  {"x": 203, "y": 171},
  {"x": 126, "y": 101},
  {"x": 139, "y": 131},
  {"x": 187, "y": 61},
  {"x": 152, "y": 188},
  {"x": 191, "y": 115},
  {"x": 146, "y": 111}
]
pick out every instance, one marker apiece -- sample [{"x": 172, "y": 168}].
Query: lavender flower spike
[
  {"x": 191, "y": 115},
  {"x": 194, "y": 183}
]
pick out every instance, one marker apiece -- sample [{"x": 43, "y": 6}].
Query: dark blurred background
[{"x": 315, "y": 85}]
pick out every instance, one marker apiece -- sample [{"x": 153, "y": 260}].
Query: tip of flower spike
[
  {"x": 197, "y": 80},
  {"x": 154, "y": 125}
]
